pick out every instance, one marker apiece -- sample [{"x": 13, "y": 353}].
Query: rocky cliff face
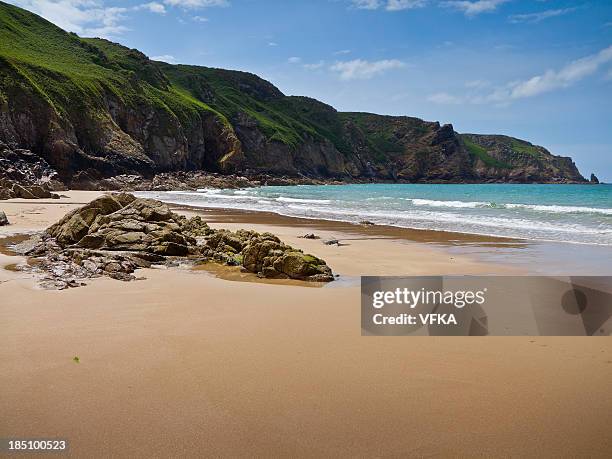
[
  {"x": 93, "y": 109},
  {"x": 26, "y": 175}
]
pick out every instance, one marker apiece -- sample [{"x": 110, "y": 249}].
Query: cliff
[{"x": 93, "y": 109}]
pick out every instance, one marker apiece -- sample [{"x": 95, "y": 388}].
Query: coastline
[
  {"x": 502, "y": 255},
  {"x": 186, "y": 361}
]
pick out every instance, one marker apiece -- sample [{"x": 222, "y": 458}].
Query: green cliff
[{"x": 90, "y": 105}]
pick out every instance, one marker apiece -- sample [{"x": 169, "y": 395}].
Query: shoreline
[
  {"x": 457, "y": 212},
  {"x": 510, "y": 255},
  {"x": 356, "y": 241},
  {"x": 497, "y": 254}
]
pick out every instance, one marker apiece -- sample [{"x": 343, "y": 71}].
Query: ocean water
[{"x": 565, "y": 213}]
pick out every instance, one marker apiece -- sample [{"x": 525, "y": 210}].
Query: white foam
[
  {"x": 493, "y": 205},
  {"x": 527, "y": 221},
  {"x": 305, "y": 201},
  {"x": 561, "y": 209},
  {"x": 457, "y": 204}
]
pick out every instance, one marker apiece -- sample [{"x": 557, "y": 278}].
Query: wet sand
[{"x": 187, "y": 363}]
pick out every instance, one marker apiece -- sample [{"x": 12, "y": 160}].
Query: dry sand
[{"x": 188, "y": 364}]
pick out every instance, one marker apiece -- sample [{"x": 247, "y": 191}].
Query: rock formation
[
  {"x": 26, "y": 175},
  {"x": 115, "y": 234}
]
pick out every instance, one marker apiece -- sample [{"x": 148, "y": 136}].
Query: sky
[{"x": 540, "y": 70}]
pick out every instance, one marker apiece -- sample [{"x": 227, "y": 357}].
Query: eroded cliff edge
[{"x": 93, "y": 109}]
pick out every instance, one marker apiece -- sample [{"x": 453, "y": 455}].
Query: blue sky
[{"x": 539, "y": 70}]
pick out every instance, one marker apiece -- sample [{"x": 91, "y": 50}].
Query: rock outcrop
[
  {"x": 26, "y": 175},
  {"x": 594, "y": 179},
  {"x": 115, "y": 234}
]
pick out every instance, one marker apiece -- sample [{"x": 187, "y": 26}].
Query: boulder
[
  {"x": 273, "y": 259},
  {"x": 3, "y": 220},
  {"x": 171, "y": 249},
  {"x": 195, "y": 227}
]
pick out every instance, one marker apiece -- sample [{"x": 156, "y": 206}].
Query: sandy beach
[{"x": 190, "y": 363}]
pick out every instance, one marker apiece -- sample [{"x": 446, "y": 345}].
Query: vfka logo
[{"x": 438, "y": 319}]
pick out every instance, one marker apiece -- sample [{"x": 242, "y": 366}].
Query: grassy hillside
[{"x": 90, "y": 105}]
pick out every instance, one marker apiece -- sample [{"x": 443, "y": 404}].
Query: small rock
[
  {"x": 3, "y": 220},
  {"x": 309, "y": 236}
]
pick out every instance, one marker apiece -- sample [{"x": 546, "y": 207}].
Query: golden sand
[{"x": 189, "y": 363}]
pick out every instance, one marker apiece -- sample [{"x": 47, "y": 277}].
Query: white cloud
[
  {"x": 366, "y": 4},
  {"x": 474, "y": 7},
  {"x": 389, "y": 5},
  {"x": 567, "y": 76},
  {"x": 199, "y": 19},
  {"x": 444, "y": 98},
  {"x": 309, "y": 66},
  {"x": 314, "y": 66},
  {"x": 399, "y": 5},
  {"x": 272, "y": 43},
  {"x": 477, "y": 84},
  {"x": 84, "y": 17},
  {"x": 153, "y": 7},
  {"x": 362, "y": 69},
  {"x": 537, "y": 17},
  {"x": 342, "y": 51},
  {"x": 165, "y": 58},
  {"x": 195, "y": 4},
  {"x": 548, "y": 81}
]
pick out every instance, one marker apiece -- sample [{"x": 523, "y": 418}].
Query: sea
[{"x": 579, "y": 214}]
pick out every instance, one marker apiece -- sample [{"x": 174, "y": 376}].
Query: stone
[
  {"x": 269, "y": 258},
  {"x": 72, "y": 231},
  {"x": 116, "y": 234},
  {"x": 3, "y": 220},
  {"x": 39, "y": 192},
  {"x": 21, "y": 192},
  {"x": 298, "y": 265},
  {"x": 171, "y": 249}
]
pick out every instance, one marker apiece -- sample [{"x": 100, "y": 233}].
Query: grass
[
  {"x": 379, "y": 133},
  {"x": 524, "y": 147},
  {"x": 481, "y": 153}
]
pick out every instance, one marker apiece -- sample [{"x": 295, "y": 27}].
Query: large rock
[
  {"x": 269, "y": 257},
  {"x": 76, "y": 224},
  {"x": 3, "y": 220},
  {"x": 122, "y": 224}
]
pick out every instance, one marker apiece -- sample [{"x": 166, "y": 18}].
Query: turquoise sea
[{"x": 564, "y": 213}]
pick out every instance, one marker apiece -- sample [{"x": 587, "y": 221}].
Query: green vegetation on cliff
[
  {"x": 90, "y": 105},
  {"x": 481, "y": 153}
]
